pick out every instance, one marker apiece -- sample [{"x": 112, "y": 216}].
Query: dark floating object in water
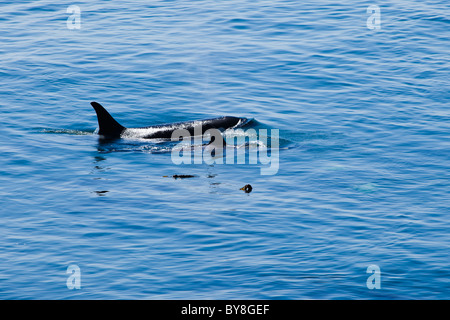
[
  {"x": 101, "y": 193},
  {"x": 247, "y": 188},
  {"x": 181, "y": 176}
]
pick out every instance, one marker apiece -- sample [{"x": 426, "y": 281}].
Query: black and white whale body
[{"x": 111, "y": 129}]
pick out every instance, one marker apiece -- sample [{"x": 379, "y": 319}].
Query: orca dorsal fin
[{"x": 108, "y": 126}]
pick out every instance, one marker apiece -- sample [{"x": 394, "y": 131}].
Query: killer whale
[{"x": 111, "y": 129}]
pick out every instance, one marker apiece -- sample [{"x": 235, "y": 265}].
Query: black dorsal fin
[{"x": 107, "y": 125}]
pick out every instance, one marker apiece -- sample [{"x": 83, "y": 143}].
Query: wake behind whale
[{"x": 111, "y": 129}]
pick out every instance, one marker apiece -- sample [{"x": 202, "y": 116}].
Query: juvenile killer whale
[{"x": 110, "y": 128}]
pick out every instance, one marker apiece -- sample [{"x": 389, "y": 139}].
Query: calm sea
[{"x": 360, "y": 99}]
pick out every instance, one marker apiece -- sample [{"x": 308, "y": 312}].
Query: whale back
[{"x": 110, "y": 128}]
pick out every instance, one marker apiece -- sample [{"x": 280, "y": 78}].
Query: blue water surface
[{"x": 364, "y": 161}]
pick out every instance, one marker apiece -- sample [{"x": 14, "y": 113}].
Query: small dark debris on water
[
  {"x": 181, "y": 176},
  {"x": 101, "y": 193},
  {"x": 247, "y": 188}
]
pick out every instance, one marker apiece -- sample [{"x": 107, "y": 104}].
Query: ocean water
[{"x": 363, "y": 173}]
